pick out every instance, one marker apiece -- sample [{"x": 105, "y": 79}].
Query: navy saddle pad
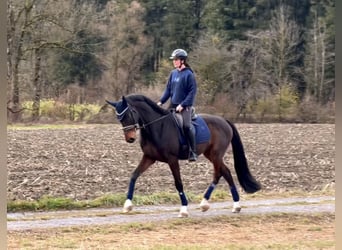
[{"x": 202, "y": 131}]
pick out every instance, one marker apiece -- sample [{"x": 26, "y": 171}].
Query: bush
[
  {"x": 52, "y": 110},
  {"x": 288, "y": 102},
  {"x": 282, "y": 106},
  {"x": 311, "y": 111}
]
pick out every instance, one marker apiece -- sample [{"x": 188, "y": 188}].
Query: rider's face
[{"x": 176, "y": 62}]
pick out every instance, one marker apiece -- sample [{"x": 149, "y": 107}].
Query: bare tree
[
  {"x": 126, "y": 47},
  {"x": 282, "y": 43},
  {"x": 29, "y": 23},
  {"x": 228, "y": 76},
  {"x": 318, "y": 58},
  {"x": 279, "y": 47},
  {"x": 34, "y": 28},
  {"x": 19, "y": 20}
]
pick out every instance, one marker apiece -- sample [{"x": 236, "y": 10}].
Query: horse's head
[{"x": 128, "y": 118}]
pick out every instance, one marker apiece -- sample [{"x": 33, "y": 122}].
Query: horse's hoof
[
  {"x": 128, "y": 206},
  {"x": 204, "y": 205},
  {"x": 183, "y": 213},
  {"x": 236, "y": 207}
]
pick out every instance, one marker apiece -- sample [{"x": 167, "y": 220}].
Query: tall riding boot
[{"x": 192, "y": 145}]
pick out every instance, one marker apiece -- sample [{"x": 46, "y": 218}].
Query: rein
[
  {"x": 136, "y": 125},
  {"x": 149, "y": 123}
]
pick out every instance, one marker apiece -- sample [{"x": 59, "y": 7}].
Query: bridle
[
  {"x": 136, "y": 125},
  {"x": 121, "y": 115}
]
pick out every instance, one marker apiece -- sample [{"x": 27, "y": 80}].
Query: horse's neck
[
  {"x": 148, "y": 114},
  {"x": 155, "y": 124},
  {"x": 149, "y": 118}
]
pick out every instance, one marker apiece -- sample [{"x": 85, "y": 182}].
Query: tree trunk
[
  {"x": 14, "y": 105},
  {"x": 37, "y": 86},
  {"x": 16, "y": 54}
]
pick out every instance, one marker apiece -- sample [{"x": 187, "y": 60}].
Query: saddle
[
  {"x": 179, "y": 118},
  {"x": 202, "y": 132}
]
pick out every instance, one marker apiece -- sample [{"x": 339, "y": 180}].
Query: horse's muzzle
[
  {"x": 130, "y": 136},
  {"x": 130, "y": 140}
]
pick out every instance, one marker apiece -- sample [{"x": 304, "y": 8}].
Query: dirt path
[{"x": 30, "y": 221}]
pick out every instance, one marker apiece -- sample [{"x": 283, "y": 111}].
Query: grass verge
[{"x": 47, "y": 203}]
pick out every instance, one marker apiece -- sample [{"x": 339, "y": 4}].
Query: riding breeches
[{"x": 186, "y": 115}]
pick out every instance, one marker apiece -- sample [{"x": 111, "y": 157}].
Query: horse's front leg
[
  {"x": 144, "y": 164},
  {"x": 174, "y": 166}
]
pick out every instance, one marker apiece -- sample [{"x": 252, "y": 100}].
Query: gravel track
[{"x": 31, "y": 221}]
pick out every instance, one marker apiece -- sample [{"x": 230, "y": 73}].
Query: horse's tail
[{"x": 246, "y": 180}]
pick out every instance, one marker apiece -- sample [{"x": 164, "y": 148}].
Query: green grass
[
  {"x": 45, "y": 126},
  {"x": 48, "y": 203}
]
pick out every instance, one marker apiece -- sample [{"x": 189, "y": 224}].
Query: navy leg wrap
[
  {"x": 234, "y": 193},
  {"x": 131, "y": 189},
  {"x": 209, "y": 191},
  {"x": 183, "y": 199}
]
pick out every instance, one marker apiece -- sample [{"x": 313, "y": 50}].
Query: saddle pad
[{"x": 202, "y": 131}]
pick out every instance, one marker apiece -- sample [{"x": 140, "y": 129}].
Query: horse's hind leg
[
  {"x": 204, "y": 205},
  {"x": 228, "y": 177},
  {"x": 220, "y": 169}
]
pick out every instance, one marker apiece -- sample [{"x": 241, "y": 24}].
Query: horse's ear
[
  {"x": 112, "y": 103},
  {"x": 124, "y": 101}
]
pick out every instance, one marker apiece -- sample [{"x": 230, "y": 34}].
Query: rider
[{"x": 181, "y": 88}]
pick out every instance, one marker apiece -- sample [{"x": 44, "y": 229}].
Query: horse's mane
[{"x": 134, "y": 98}]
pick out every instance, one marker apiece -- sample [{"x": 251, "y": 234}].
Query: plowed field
[{"x": 87, "y": 161}]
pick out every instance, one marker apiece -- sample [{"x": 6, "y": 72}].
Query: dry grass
[{"x": 275, "y": 231}]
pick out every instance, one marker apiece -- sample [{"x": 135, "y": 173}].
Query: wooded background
[{"x": 254, "y": 60}]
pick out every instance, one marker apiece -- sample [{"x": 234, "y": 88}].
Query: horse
[{"x": 159, "y": 141}]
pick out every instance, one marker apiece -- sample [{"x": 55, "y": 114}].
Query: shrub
[{"x": 54, "y": 110}]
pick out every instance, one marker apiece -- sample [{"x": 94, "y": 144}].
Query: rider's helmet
[{"x": 179, "y": 54}]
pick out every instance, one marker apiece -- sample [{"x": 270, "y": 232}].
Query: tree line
[{"x": 253, "y": 59}]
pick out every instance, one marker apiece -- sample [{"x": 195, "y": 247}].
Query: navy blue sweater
[{"x": 181, "y": 87}]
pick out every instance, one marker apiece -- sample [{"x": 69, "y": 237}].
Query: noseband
[{"x": 121, "y": 115}]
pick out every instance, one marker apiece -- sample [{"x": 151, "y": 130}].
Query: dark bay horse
[{"x": 159, "y": 141}]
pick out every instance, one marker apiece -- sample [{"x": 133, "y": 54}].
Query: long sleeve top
[{"x": 181, "y": 88}]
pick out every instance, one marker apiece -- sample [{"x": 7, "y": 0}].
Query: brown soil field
[{"x": 87, "y": 161}]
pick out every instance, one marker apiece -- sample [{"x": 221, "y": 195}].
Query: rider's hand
[
  {"x": 159, "y": 103},
  {"x": 179, "y": 108}
]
